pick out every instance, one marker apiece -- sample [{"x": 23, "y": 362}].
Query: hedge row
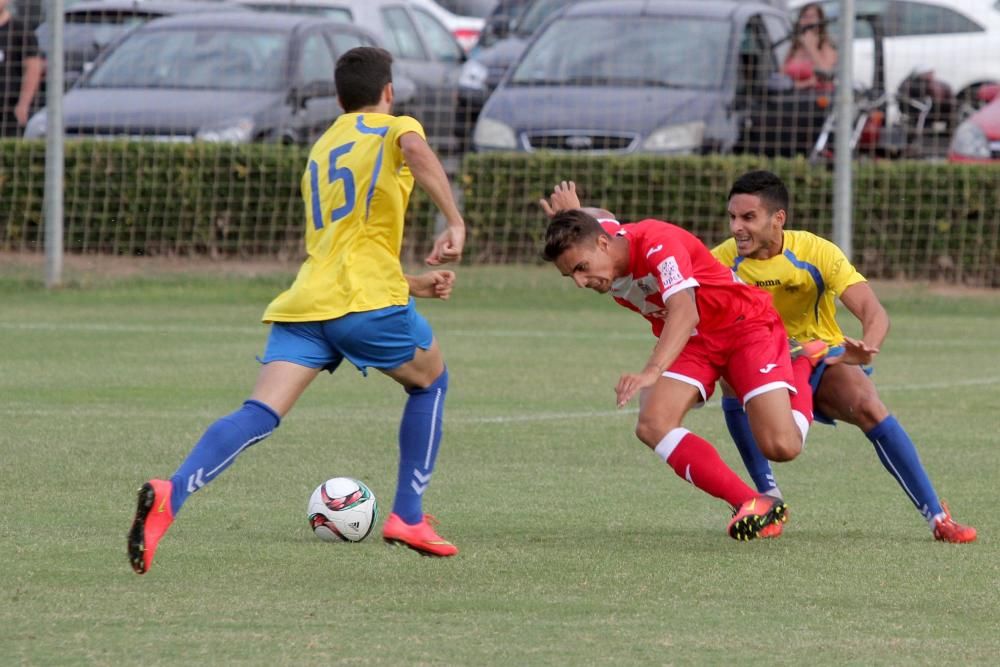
[
  {"x": 915, "y": 220},
  {"x": 911, "y": 219}
]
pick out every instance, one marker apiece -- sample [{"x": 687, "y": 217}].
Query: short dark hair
[
  {"x": 569, "y": 229},
  {"x": 361, "y": 74},
  {"x": 771, "y": 189}
]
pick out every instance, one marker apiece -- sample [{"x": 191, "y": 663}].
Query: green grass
[{"x": 578, "y": 547}]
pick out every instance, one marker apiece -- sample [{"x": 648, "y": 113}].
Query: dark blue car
[{"x": 655, "y": 76}]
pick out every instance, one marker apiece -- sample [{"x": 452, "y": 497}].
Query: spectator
[
  {"x": 812, "y": 58},
  {"x": 21, "y": 67}
]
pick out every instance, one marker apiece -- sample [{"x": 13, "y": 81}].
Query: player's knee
[
  {"x": 782, "y": 446},
  {"x": 431, "y": 383},
  {"x": 651, "y": 431}
]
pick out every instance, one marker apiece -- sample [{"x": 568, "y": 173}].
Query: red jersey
[{"x": 663, "y": 260}]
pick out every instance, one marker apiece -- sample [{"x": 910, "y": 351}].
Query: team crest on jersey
[{"x": 670, "y": 273}]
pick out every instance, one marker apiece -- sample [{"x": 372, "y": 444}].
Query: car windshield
[
  {"x": 195, "y": 58},
  {"x": 536, "y": 14},
  {"x": 627, "y": 51},
  {"x": 341, "y": 14}
]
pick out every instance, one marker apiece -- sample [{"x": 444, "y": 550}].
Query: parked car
[
  {"x": 216, "y": 76},
  {"x": 489, "y": 61},
  {"x": 977, "y": 138},
  {"x": 465, "y": 29},
  {"x": 659, "y": 76},
  {"x": 422, "y": 47},
  {"x": 959, "y": 40},
  {"x": 91, "y": 25},
  {"x": 500, "y": 22}
]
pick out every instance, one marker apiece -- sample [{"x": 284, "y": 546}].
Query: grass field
[{"x": 578, "y": 547}]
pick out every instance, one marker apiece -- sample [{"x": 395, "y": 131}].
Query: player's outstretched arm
[
  {"x": 432, "y": 285},
  {"x": 860, "y": 299},
  {"x": 564, "y": 197},
  {"x": 430, "y": 175},
  {"x": 681, "y": 319}
]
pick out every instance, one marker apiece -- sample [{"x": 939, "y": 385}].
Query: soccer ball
[{"x": 342, "y": 510}]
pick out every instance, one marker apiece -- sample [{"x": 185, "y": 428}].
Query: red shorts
[{"x": 751, "y": 357}]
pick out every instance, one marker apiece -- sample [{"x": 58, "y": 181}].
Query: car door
[
  {"x": 314, "y": 98},
  {"x": 430, "y": 63}
]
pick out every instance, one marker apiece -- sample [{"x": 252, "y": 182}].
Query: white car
[
  {"x": 959, "y": 40},
  {"x": 466, "y": 29}
]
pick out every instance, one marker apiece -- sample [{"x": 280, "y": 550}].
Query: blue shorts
[
  {"x": 817, "y": 375},
  {"x": 385, "y": 339}
]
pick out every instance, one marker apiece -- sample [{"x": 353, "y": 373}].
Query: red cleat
[
  {"x": 152, "y": 518},
  {"x": 420, "y": 537},
  {"x": 755, "y": 515},
  {"x": 947, "y": 529},
  {"x": 774, "y": 528}
]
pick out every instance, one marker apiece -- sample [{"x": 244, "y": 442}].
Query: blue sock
[
  {"x": 756, "y": 463},
  {"x": 219, "y": 447},
  {"x": 899, "y": 456},
  {"x": 419, "y": 440}
]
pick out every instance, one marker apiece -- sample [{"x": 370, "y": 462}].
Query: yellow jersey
[
  {"x": 804, "y": 280},
  {"x": 355, "y": 189}
]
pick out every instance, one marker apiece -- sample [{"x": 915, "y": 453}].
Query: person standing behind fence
[
  {"x": 350, "y": 300},
  {"x": 21, "y": 66},
  {"x": 812, "y": 59}
]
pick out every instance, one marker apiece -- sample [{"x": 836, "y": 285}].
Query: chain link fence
[{"x": 188, "y": 122}]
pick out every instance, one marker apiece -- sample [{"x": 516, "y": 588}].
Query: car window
[
  {"x": 344, "y": 41},
  {"x": 757, "y": 60},
  {"x": 316, "y": 63},
  {"x": 917, "y": 18},
  {"x": 195, "y": 58},
  {"x": 777, "y": 31},
  {"x": 479, "y": 8},
  {"x": 535, "y": 15},
  {"x": 341, "y": 14},
  {"x": 627, "y": 51},
  {"x": 402, "y": 37},
  {"x": 440, "y": 42},
  {"x": 862, "y": 28}
]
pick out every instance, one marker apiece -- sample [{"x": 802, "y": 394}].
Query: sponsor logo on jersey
[
  {"x": 768, "y": 283},
  {"x": 767, "y": 369},
  {"x": 670, "y": 273}
]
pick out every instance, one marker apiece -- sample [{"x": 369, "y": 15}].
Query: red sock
[
  {"x": 697, "y": 461},
  {"x": 802, "y": 400}
]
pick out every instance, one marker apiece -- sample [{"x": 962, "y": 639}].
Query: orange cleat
[
  {"x": 775, "y": 528},
  {"x": 813, "y": 350},
  {"x": 420, "y": 537},
  {"x": 152, "y": 518},
  {"x": 755, "y": 515},
  {"x": 947, "y": 529}
]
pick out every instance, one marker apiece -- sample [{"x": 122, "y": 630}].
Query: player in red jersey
[{"x": 708, "y": 326}]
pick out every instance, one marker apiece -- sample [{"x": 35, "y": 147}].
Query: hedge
[{"x": 911, "y": 219}]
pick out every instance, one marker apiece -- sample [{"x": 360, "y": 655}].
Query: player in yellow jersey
[
  {"x": 806, "y": 274},
  {"x": 350, "y": 300}
]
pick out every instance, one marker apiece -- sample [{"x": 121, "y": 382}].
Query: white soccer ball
[{"x": 342, "y": 510}]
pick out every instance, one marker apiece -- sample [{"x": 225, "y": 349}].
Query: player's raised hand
[
  {"x": 855, "y": 352},
  {"x": 448, "y": 246},
  {"x": 631, "y": 383},
  {"x": 563, "y": 198},
  {"x": 432, "y": 285}
]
